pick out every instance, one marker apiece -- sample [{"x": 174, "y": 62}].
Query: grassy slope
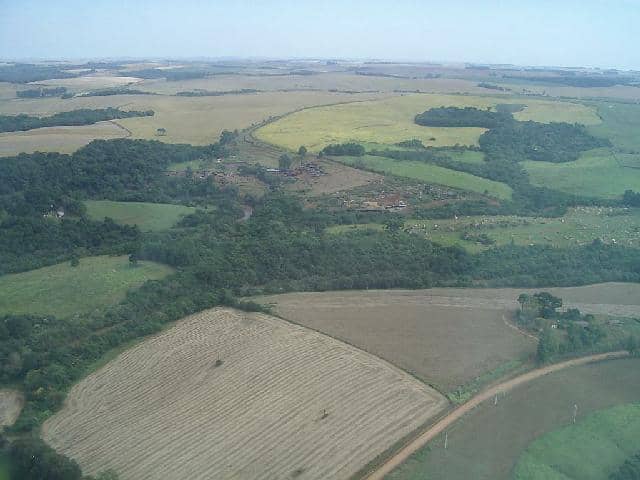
[
  {"x": 601, "y": 172},
  {"x": 588, "y": 450},
  {"x": 63, "y": 291},
  {"x": 580, "y": 226},
  {"x": 486, "y": 444},
  {"x": 148, "y": 216},
  {"x": 432, "y": 174},
  {"x": 596, "y": 173},
  {"x": 391, "y": 120},
  {"x": 4, "y": 467}
]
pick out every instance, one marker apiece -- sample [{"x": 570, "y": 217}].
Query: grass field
[
  {"x": 592, "y": 449},
  {"x": 621, "y": 123},
  {"x": 4, "y": 467},
  {"x": 446, "y": 340},
  {"x": 275, "y": 407},
  {"x": 57, "y": 139},
  {"x": 580, "y": 226},
  {"x": 191, "y": 120},
  {"x": 148, "y": 216},
  {"x": 597, "y": 173},
  {"x": 487, "y": 444},
  {"x": 63, "y": 290},
  {"x": 390, "y": 120},
  {"x": 431, "y": 174}
]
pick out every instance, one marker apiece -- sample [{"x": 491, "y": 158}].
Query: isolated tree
[
  {"x": 302, "y": 151},
  {"x": 546, "y": 345},
  {"x": 284, "y": 162},
  {"x": 75, "y": 261},
  {"x": 133, "y": 260},
  {"x": 394, "y": 223},
  {"x": 523, "y": 299}
]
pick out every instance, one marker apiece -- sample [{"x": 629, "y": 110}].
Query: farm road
[{"x": 456, "y": 414}]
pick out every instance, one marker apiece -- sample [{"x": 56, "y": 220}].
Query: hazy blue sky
[{"x": 533, "y": 32}]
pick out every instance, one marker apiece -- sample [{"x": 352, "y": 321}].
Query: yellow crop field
[
  {"x": 391, "y": 120},
  {"x": 226, "y": 394}
]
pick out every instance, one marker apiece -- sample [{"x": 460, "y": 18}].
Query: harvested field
[
  {"x": 445, "y": 340},
  {"x": 89, "y": 82},
  {"x": 57, "y": 139},
  {"x": 486, "y": 444},
  {"x": 166, "y": 409},
  {"x": 10, "y": 405}
]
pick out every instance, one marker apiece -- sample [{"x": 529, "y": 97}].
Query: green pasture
[
  {"x": 63, "y": 290},
  {"x": 147, "y": 216},
  {"x": 589, "y": 450}
]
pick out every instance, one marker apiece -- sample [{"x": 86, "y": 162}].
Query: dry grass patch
[
  {"x": 57, "y": 139},
  {"x": 168, "y": 409},
  {"x": 338, "y": 178}
]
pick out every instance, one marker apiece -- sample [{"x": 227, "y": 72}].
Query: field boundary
[{"x": 439, "y": 426}]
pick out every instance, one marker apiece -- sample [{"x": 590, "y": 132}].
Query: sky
[{"x": 595, "y": 33}]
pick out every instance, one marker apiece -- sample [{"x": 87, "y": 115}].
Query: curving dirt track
[
  {"x": 456, "y": 414},
  {"x": 165, "y": 410}
]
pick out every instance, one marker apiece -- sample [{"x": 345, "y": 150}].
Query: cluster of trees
[
  {"x": 629, "y": 470},
  {"x": 341, "y": 149},
  {"x": 83, "y": 116},
  {"x": 582, "y": 80},
  {"x": 105, "y": 92},
  {"x": 631, "y": 198},
  {"x": 41, "y": 92},
  {"x": 413, "y": 143},
  {"x": 461, "y": 117},
  {"x": 28, "y": 72},
  {"x": 561, "y": 332},
  {"x": 548, "y": 142},
  {"x": 218, "y": 93}
]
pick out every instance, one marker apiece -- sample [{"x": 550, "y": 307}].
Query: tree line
[{"x": 83, "y": 116}]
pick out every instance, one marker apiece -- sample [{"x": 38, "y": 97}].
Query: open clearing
[
  {"x": 194, "y": 120},
  {"x": 338, "y": 178},
  {"x": 163, "y": 409},
  {"x": 10, "y": 405},
  {"x": 148, "y": 216},
  {"x": 597, "y": 173},
  {"x": 486, "y": 444},
  {"x": 391, "y": 120},
  {"x": 592, "y": 449},
  {"x": 447, "y": 341},
  {"x": 57, "y": 139},
  {"x": 580, "y": 226},
  {"x": 427, "y": 172},
  {"x": 448, "y": 337},
  {"x": 63, "y": 290}
]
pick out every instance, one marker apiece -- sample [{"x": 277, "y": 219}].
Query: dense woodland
[
  {"x": 461, "y": 117},
  {"x": 83, "y": 116},
  {"x": 629, "y": 470}
]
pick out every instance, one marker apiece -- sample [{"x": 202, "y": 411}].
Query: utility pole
[
  {"x": 575, "y": 412},
  {"x": 446, "y": 439},
  {"x": 495, "y": 399}
]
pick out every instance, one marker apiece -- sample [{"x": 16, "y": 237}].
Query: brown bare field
[
  {"x": 57, "y": 139},
  {"x": 446, "y": 341},
  {"x": 11, "y": 402},
  {"x": 338, "y": 178},
  {"x": 163, "y": 409}
]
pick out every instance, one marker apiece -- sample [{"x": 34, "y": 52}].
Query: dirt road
[{"x": 450, "y": 418}]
